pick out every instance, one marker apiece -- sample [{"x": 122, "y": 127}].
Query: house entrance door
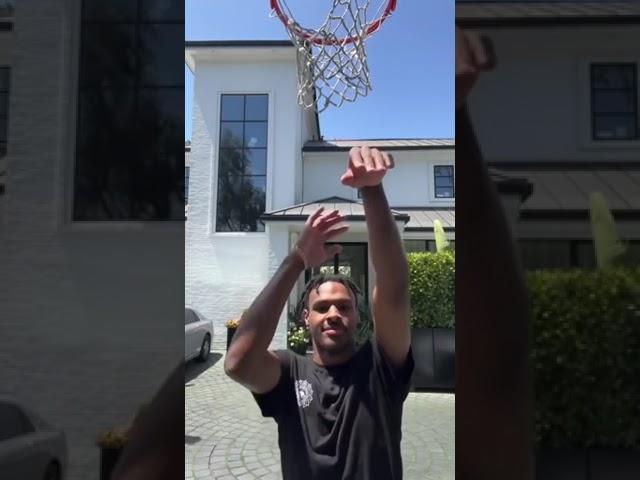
[{"x": 352, "y": 262}]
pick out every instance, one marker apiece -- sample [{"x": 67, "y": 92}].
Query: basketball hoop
[{"x": 332, "y": 63}]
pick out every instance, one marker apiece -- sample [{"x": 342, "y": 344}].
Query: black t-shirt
[{"x": 342, "y": 422}]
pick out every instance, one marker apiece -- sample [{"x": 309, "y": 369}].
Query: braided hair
[{"x": 314, "y": 284}]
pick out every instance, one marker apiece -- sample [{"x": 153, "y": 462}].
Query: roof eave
[
  {"x": 338, "y": 148},
  {"x": 205, "y": 49},
  {"x": 568, "y": 21},
  {"x": 301, "y": 218}
]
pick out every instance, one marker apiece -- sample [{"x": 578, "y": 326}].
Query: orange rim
[{"x": 275, "y": 6}]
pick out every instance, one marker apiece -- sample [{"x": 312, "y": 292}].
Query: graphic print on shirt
[{"x": 304, "y": 393}]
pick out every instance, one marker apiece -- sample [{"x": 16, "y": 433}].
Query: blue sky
[{"x": 411, "y": 62}]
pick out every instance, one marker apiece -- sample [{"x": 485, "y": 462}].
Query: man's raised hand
[
  {"x": 474, "y": 55},
  {"x": 366, "y": 167},
  {"x": 319, "y": 228}
]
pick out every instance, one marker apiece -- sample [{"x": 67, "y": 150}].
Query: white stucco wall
[
  {"x": 536, "y": 104},
  {"x": 92, "y": 317},
  {"x": 225, "y": 272},
  {"x": 409, "y": 184}
]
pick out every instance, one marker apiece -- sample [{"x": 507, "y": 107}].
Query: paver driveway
[{"x": 227, "y": 438}]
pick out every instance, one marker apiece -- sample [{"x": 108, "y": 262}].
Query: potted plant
[
  {"x": 111, "y": 444},
  {"x": 232, "y": 326},
  {"x": 298, "y": 339}
]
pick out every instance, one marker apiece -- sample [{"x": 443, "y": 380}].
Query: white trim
[
  {"x": 236, "y": 54},
  {"x": 67, "y": 161},
  {"x": 215, "y": 150},
  {"x": 585, "y": 139}
]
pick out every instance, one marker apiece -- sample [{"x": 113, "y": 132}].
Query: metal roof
[
  {"x": 415, "y": 218},
  {"x": 422, "y": 218},
  {"x": 491, "y": 14},
  {"x": 237, "y": 43},
  {"x": 563, "y": 190},
  {"x": 388, "y": 144},
  {"x": 349, "y": 208}
]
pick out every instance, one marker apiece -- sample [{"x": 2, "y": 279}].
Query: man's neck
[{"x": 331, "y": 359}]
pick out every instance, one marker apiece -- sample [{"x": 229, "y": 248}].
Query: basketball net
[{"x": 332, "y": 62}]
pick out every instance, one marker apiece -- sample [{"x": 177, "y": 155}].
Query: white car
[
  {"x": 198, "y": 333},
  {"x": 30, "y": 448}
]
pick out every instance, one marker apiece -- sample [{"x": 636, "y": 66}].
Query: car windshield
[{"x": 13, "y": 421}]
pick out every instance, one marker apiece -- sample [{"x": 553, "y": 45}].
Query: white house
[
  {"x": 91, "y": 289},
  {"x": 258, "y": 165},
  {"x": 561, "y": 110}
]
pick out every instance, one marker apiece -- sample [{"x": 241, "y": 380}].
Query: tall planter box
[
  {"x": 434, "y": 357},
  {"x": 444, "y": 352},
  {"x": 614, "y": 464},
  {"x": 230, "y": 333},
  {"x": 108, "y": 459},
  {"x": 587, "y": 464},
  {"x": 422, "y": 347},
  {"x": 561, "y": 464}
]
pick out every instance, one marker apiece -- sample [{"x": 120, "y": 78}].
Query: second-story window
[
  {"x": 444, "y": 181},
  {"x": 614, "y": 101},
  {"x": 129, "y": 144},
  {"x": 242, "y": 168}
]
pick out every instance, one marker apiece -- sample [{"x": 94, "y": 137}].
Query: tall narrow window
[
  {"x": 186, "y": 185},
  {"x": 4, "y": 108},
  {"x": 242, "y": 167},
  {"x": 444, "y": 181},
  {"x": 614, "y": 101},
  {"x": 130, "y": 146}
]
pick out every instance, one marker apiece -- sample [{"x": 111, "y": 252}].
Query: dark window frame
[
  {"x": 221, "y": 149},
  {"x": 5, "y": 115},
  {"x": 571, "y": 247},
  {"x": 336, "y": 263},
  {"x": 425, "y": 246},
  {"x": 187, "y": 174},
  {"x": 139, "y": 89},
  {"x": 594, "y": 90},
  {"x": 453, "y": 182}
]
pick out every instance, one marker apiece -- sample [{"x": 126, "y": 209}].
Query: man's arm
[
  {"x": 493, "y": 412},
  {"x": 248, "y": 360},
  {"x": 390, "y": 304}
]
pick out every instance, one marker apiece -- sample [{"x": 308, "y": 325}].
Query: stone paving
[{"x": 227, "y": 438}]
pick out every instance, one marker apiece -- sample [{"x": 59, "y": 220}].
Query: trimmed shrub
[
  {"x": 586, "y": 357},
  {"x": 432, "y": 288}
]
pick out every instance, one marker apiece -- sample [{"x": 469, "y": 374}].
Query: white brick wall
[
  {"x": 225, "y": 272},
  {"x": 92, "y": 318}
]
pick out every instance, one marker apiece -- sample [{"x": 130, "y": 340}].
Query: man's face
[{"x": 332, "y": 317}]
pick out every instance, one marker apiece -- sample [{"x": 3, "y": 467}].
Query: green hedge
[
  {"x": 432, "y": 288},
  {"x": 586, "y": 357}
]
